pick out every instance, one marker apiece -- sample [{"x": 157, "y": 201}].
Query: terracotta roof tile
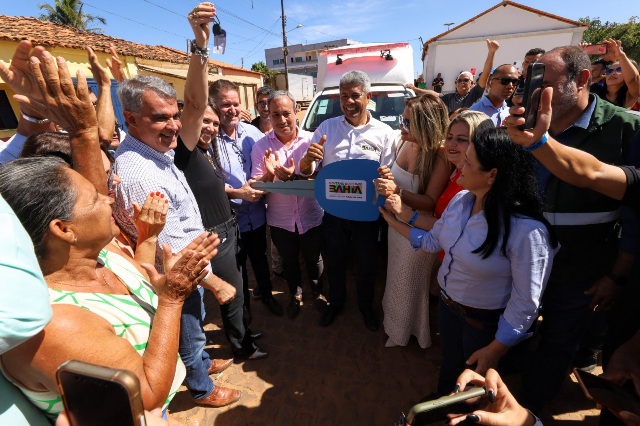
[{"x": 48, "y": 34}]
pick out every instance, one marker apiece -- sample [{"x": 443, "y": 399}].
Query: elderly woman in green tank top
[{"x": 104, "y": 311}]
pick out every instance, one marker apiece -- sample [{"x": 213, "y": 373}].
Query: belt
[
  {"x": 224, "y": 226},
  {"x": 466, "y": 310}
]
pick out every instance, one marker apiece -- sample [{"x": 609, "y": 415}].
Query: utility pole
[{"x": 285, "y": 50}]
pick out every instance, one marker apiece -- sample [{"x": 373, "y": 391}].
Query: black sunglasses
[{"x": 506, "y": 80}]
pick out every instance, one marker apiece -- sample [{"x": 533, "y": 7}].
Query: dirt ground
[{"x": 340, "y": 375}]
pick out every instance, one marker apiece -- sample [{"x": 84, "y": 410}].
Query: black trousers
[
  {"x": 253, "y": 245},
  {"x": 338, "y": 233},
  {"x": 289, "y": 245},
  {"x": 225, "y": 265}
]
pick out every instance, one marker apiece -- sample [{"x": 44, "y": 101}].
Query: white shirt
[{"x": 371, "y": 141}]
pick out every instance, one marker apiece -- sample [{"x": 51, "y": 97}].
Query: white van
[{"x": 388, "y": 65}]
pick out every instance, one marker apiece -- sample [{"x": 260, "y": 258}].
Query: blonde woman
[{"x": 418, "y": 175}]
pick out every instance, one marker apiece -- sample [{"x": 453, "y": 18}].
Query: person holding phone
[
  {"x": 593, "y": 264},
  {"x": 621, "y": 85},
  {"x": 498, "y": 255},
  {"x": 502, "y": 409}
]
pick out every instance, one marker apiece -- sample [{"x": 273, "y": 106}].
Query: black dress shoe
[
  {"x": 294, "y": 308},
  {"x": 255, "y": 335},
  {"x": 370, "y": 317},
  {"x": 329, "y": 315},
  {"x": 257, "y": 354},
  {"x": 273, "y": 305},
  {"x": 321, "y": 303}
]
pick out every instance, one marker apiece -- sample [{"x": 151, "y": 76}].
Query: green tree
[
  {"x": 268, "y": 75},
  {"x": 69, "y": 12},
  {"x": 628, "y": 33}
]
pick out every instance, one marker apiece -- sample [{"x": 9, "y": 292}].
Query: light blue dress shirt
[
  {"x": 497, "y": 115},
  {"x": 235, "y": 158},
  {"x": 515, "y": 282}
]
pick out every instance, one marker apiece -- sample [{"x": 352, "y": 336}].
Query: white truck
[
  {"x": 388, "y": 65},
  {"x": 300, "y": 86}
]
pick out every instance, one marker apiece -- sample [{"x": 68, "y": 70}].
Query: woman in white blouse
[{"x": 498, "y": 255}]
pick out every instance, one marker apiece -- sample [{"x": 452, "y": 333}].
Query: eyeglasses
[
  {"x": 404, "y": 123},
  {"x": 463, "y": 80},
  {"x": 611, "y": 70},
  {"x": 262, "y": 104},
  {"x": 506, "y": 80}
]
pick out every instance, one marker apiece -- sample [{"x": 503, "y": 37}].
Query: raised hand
[
  {"x": 178, "y": 283},
  {"x": 270, "y": 163},
  {"x": 58, "y": 99},
  {"x": 19, "y": 75},
  {"x": 115, "y": 64},
  {"x": 151, "y": 217},
  {"x": 199, "y": 19},
  {"x": 205, "y": 243},
  {"x": 315, "y": 152},
  {"x": 283, "y": 172},
  {"x": 493, "y": 45}
]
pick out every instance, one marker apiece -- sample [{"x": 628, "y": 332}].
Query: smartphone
[
  {"x": 604, "y": 392},
  {"x": 596, "y": 49},
  {"x": 94, "y": 395},
  {"x": 436, "y": 411},
  {"x": 531, "y": 94}
]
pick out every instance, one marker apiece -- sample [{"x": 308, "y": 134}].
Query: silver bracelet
[
  {"x": 203, "y": 52},
  {"x": 31, "y": 119}
]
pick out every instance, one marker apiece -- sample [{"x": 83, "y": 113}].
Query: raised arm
[
  {"x": 569, "y": 164},
  {"x": 104, "y": 106},
  {"x": 492, "y": 47},
  {"x": 71, "y": 109},
  {"x": 195, "y": 89},
  {"x": 629, "y": 71}
]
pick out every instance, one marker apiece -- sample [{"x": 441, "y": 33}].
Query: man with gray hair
[
  {"x": 145, "y": 164},
  {"x": 295, "y": 222},
  {"x": 354, "y": 135}
]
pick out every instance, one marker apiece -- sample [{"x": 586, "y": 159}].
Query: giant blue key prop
[{"x": 344, "y": 188}]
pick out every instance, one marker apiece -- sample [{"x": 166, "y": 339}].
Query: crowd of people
[{"x": 498, "y": 225}]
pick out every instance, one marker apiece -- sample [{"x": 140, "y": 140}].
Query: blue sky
[{"x": 253, "y": 25}]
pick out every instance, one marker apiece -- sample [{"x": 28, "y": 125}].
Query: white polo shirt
[{"x": 372, "y": 141}]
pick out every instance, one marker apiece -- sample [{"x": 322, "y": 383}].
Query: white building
[
  {"x": 516, "y": 27},
  {"x": 303, "y": 58}
]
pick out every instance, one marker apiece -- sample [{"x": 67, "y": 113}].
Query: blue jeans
[
  {"x": 459, "y": 340},
  {"x": 192, "y": 342}
]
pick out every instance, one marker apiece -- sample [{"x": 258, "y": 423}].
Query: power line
[{"x": 134, "y": 21}]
